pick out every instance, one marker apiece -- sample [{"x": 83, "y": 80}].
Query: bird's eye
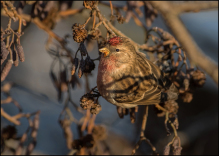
[{"x": 117, "y": 50}]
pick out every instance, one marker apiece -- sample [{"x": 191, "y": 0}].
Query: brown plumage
[{"x": 127, "y": 78}]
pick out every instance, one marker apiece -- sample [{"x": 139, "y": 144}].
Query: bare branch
[
  {"x": 195, "y": 6},
  {"x": 195, "y": 54}
]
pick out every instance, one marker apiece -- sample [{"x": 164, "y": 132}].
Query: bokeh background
[{"x": 34, "y": 90}]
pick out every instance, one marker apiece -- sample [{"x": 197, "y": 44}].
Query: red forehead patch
[{"x": 115, "y": 41}]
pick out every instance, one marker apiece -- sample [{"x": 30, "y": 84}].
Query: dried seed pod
[
  {"x": 89, "y": 65},
  {"x": 81, "y": 68},
  {"x": 86, "y": 101},
  {"x": 79, "y": 33},
  {"x": 80, "y": 72},
  {"x": 187, "y": 97},
  {"x": 15, "y": 57},
  {"x": 6, "y": 70},
  {"x": 89, "y": 4},
  {"x": 177, "y": 151},
  {"x": 166, "y": 150},
  {"x": 172, "y": 107},
  {"x": 83, "y": 49},
  {"x": 120, "y": 19},
  {"x": 198, "y": 78},
  {"x": 4, "y": 51},
  {"x": 20, "y": 52},
  {"x": 95, "y": 108},
  {"x": 186, "y": 83},
  {"x": 74, "y": 66}
]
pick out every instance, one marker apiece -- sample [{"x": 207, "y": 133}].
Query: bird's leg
[{"x": 142, "y": 136}]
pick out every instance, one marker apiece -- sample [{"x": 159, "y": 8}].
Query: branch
[
  {"x": 195, "y": 6},
  {"x": 9, "y": 118},
  {"x": 194, "y": 53}
]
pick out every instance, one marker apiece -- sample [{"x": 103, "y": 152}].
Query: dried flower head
[
  {"x": 86, "y": 101},
  {"x": 187, "y": 97},
  {"x": 198, "y": 78},
  {"x": 120, "y": 19},
  {"x": 89, "y": 4},
  {"x": 79, "y": 33},
  {"x": 95, "y": 108},
  {"x": 171, "y": 106}
]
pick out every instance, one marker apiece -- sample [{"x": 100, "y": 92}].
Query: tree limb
[{"x": 194, "y": 53}]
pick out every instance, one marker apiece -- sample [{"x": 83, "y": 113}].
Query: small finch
[{"x": 126, "y": 78}]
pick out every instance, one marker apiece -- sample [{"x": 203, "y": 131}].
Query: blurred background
[{"x": 34, "y": 90}]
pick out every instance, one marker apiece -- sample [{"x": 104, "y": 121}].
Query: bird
[{"x": 126, "y": 78}]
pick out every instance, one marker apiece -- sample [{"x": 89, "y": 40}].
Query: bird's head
[{"x": 119, "y": 48}]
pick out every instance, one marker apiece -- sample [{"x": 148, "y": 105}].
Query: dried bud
[
  {"x": 186, "y": 83},
  {"x": 6, "y": 70},
  {"x": 20, "y": 52},
  {"x": 81, "y": 68},
  {"x": 89, "y": 65},
  {"x": 86, "y": 101},
  {"x": 15, "y": 58},
  {"x": 95, "y": 34},
  {"x": 83, "y": 49},
  {"x": 198, "y": 78},
  {"x": 74, "y": 66},
  {"x": 4, "y": 51},
  {"x": 80, "y": 73},
  {"x": 79, "y": 33},
  {"x": 172, "y": 107},
  {"x": 187, "y": 97},
  {"x": 95, "y": 108},
  {"x": 89, "y": 4},
  {"x": 166, "y": 150},
  {"x": 177, "y": 151},
  {"x": 120, "y": 19},
  {"x": 9, "y": 132}
]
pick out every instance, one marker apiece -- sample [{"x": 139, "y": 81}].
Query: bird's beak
[{"x": 105, "y": 51}]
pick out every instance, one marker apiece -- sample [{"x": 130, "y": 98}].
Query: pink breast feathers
[{"x": 106, "y": 67}]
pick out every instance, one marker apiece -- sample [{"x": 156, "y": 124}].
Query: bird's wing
[{"x": 145, "y": 84}]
